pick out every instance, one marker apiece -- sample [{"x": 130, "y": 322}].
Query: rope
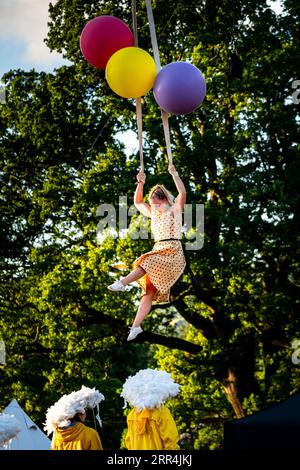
[
  {"x": 134, "y": 23},
  {"x": 138, "y": 102},
  {"x": 153, "y": 35},
  {"x": 165, "y": 120},
  {"x": 164, "y": 114},
  {"x": 140, "y": 130}
]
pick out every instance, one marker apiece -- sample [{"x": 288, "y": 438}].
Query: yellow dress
[
  {"x": 151, "y": 430},
  {"x": 78, "y": 437},
  {"x": 165, "y": 263}
]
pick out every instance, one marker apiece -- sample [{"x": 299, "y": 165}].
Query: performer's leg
[
  {"x": 143, "y": 310},
  {"x": 133, "y": 276},
  {"x": 145, "y": 305}
]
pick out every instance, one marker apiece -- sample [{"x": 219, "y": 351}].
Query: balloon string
[
  {"x": 153, "y": 35},
  {"x": 134, "y": 23},
  {"x": 165, "y": 120},
  {"x": 138, "y": 101},
  {"x": 140, "y": 130},
  {"x": 164, "y": 114}
]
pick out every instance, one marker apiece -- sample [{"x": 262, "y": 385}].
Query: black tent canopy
[{"x": 276, "y": 427}]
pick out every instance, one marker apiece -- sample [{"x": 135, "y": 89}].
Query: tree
[{"x": 238, "y": 155}]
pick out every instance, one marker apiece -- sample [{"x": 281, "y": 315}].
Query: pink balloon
[{"x": 102, "y": 37}]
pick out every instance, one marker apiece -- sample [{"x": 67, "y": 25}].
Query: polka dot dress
[{"x": 165, "y": 263}]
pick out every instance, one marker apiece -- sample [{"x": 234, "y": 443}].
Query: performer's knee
[{"x": 150, "y": 289}]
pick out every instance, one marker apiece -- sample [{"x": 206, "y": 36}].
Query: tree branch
[
  {"x": 221, "y": 324},
  {"x": 203, "y": 324},
  {"x": 169, "y": 341},
  {"x": 95, "y": 317}
]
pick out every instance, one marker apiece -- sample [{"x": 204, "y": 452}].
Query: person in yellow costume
[
  {"x": 76, "y": 436},
  {"x": 151, "y": 425},
  {"x": 65, "y": 420}
]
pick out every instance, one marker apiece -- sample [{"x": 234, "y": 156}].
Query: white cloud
[{"x": 25, "y": 21}]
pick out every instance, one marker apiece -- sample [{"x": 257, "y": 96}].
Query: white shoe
[
  {"x": 116, "y": 286},
  {"x": 134, "y": 331}
]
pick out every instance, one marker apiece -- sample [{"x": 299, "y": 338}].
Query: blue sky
[{"x": 23, "y": 26}]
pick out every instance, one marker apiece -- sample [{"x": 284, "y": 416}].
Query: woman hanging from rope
[{"x": 158, "y": 270}]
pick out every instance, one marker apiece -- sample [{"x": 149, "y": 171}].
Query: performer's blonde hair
[{"x": 161, "y": 192}]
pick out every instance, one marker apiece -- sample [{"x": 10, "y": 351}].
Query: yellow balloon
[{"x": 130, "y": 72}]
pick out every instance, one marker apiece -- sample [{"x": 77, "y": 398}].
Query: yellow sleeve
[
  {"x": 128, "y": 441},
  {"x": 95, "y": 442},
  {"x": 168, "y": 431}
]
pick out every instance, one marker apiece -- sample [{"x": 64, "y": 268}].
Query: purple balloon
[{"x": 179, "y": 88}]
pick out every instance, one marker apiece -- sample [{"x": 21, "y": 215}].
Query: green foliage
[{"x": 226, "y": 335}]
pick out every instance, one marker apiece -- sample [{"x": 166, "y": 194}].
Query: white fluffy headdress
[
  {"x": 149, "y": 388},
  {"x": 9, "y": 428},
  {"x": 61, "y": 413}
]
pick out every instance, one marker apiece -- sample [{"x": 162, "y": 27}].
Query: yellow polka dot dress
[{"x": 165, "y": 263}]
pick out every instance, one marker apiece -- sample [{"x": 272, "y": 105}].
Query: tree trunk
[{"x": 231, "y": 390}]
